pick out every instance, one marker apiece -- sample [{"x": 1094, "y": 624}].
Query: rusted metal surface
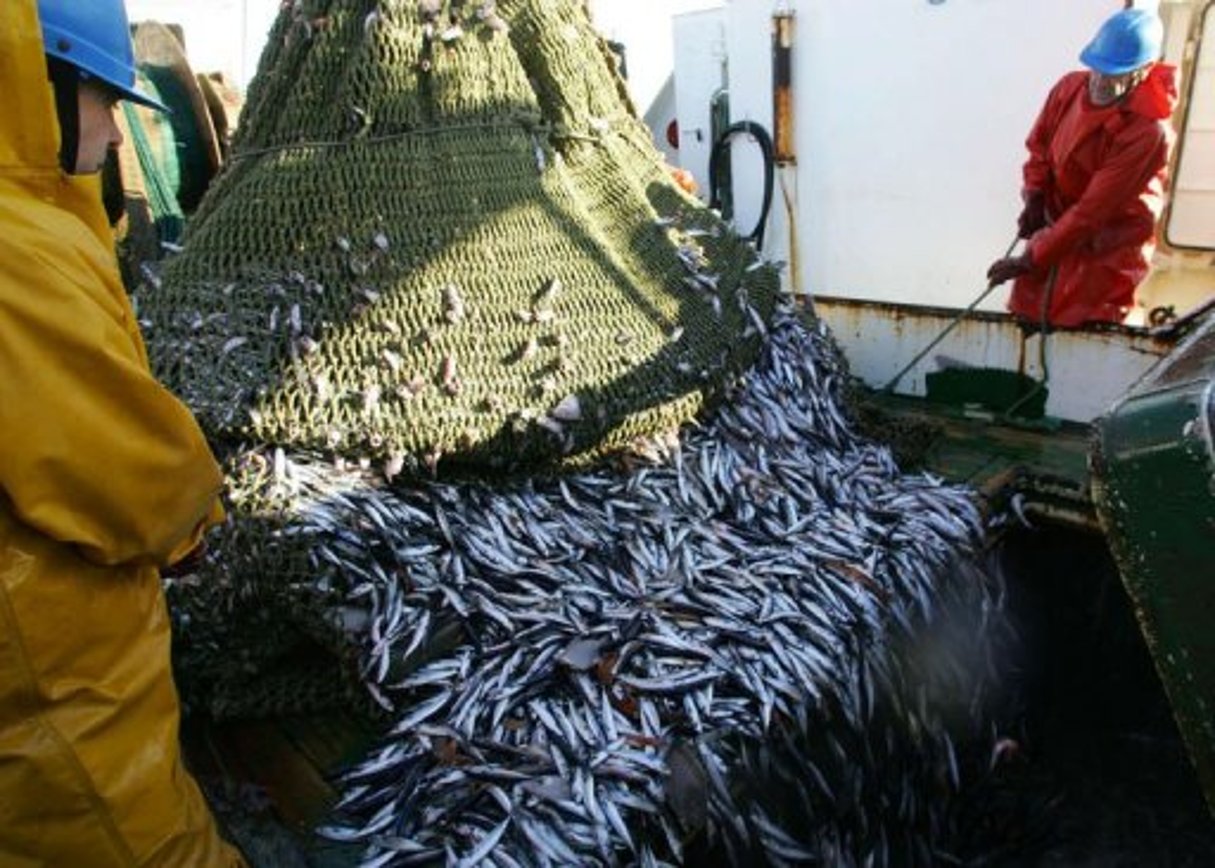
[
  {"x": 1088, "y": 369},
  {"x": 784, "y": 149}
]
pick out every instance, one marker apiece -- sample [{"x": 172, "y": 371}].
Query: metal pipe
[{"x": 894, "y": 381}]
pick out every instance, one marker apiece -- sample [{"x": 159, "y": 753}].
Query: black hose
[{"x": 765, "y": 146}]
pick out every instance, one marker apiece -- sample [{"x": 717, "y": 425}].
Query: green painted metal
[
  {"x": 1045, "y": 462},
  {"x": 1154, "y": 489},
  {"x": 1009, "y": 392}
]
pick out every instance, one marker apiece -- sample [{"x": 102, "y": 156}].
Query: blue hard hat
[
  {"x": 94, "y": 37},
  {"x": 1126, "y": 41}
]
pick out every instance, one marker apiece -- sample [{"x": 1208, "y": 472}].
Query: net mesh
[{"x": 445, "y": 236}]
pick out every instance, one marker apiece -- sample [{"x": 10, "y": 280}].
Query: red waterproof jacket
[{"x": 1102, "y": 172}]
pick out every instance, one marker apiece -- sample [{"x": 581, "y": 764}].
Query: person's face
[
  {"x": 1106, "y": 90},
  {"x": 98, "y": 129}
]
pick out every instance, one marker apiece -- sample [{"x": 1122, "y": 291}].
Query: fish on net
[
  {"x": 725, "y": 644},
  {"x": 527, "y": 451}
]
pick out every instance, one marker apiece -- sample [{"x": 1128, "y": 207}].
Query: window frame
[{"x": 1197, "y": 41}]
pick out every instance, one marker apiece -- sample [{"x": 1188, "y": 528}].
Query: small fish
[
  {"x": 547, "y": 296},
  {"x": 569, "y": 409},
  {"x": 486, "y": 846},
  {"x": 487, "y": 12},
  {"x": 453, "y": 304},
  {"x": 393, "y": 360},
  {"x": 449, "y": 378},
  {"x": 538, "y": 154},
  {"x": 422, "y": 711},
  {"x": 393, "y": 466}
]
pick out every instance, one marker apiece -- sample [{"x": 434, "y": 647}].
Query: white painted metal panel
[
  {"x": 1192, "y": 220},
  {"x": 1192, "y": 217},
  {"x": 644, "y": 27},
  {"x": 700, "y": 56},
  {"x": 1088, "y": 371},
  {"x": 911, "y": 119},
  {"x": 658, "y": 117}
]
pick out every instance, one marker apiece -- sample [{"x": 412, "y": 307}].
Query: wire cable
[{"x": 718, "y": 151}]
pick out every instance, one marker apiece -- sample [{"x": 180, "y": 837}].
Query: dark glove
[
  {"x": 188, "y": 565},
  {"x": 1033, "y": 215},
  {"x": 1008, "y": 268}
]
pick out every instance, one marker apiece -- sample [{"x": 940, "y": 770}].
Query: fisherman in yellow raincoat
[{"x": 104, "y": 478}]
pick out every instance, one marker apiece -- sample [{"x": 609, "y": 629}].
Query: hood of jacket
[
  {"x": 1156, "y": 97},
  {"x": 29, "y": 128}
]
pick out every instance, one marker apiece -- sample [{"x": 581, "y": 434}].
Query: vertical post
[{"x": 784, "y": 150}]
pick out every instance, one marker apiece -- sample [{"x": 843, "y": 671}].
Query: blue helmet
[
  {"x": 1126, "y": 41},
  {"x": 94, "y": 37}
]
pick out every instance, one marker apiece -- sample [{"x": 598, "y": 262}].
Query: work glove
[
  {"x": 1008, "y": 268},
  {"x": 188, "y": 565},
  {"x": 1033, "y": 214}
]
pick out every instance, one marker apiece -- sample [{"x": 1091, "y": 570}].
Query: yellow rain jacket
[{"x": 104, "y": 476}]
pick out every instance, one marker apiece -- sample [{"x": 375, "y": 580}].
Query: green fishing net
[{"x": 444, "y": 235}]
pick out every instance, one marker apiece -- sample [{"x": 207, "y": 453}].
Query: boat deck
[
  {"x": 271, "y": 782},
  {"x": 1043, "y": 464}
]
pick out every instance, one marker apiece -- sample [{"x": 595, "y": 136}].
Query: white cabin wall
[
  {"x": 662, "y": 111},
  {"x": 1192, "y": 218},
  {"x": 700, "y": 50},
  {"x": 645, "y": 29},
  {"x": 910, "y": 121}
]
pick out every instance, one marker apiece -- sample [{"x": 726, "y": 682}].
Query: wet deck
[
  {"x": 1045, "y": 462},
  {"x": 271, "y": 782}
]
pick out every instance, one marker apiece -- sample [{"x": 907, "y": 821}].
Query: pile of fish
[
  {"x": 756, "y": 639},
  {"x": 720, "y": 623}
]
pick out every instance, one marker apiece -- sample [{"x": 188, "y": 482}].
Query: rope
[
  {"x": 319, "y": 144},
  {"x": 160, "y": 171},
  {"x": 1044, "y": 332}
]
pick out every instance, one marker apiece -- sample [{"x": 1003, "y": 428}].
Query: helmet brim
[
  {"x": 1095, "y": 61},
  {"x": 94, "y": 63},
  {"x": 120, "y": 90},
  {"x": 132, "y": 95}
]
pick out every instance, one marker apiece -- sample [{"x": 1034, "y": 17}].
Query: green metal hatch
[{"x": 1153, "y": 468}]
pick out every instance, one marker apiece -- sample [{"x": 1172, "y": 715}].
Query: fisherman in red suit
[{"x": 1094, "y": 181}]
